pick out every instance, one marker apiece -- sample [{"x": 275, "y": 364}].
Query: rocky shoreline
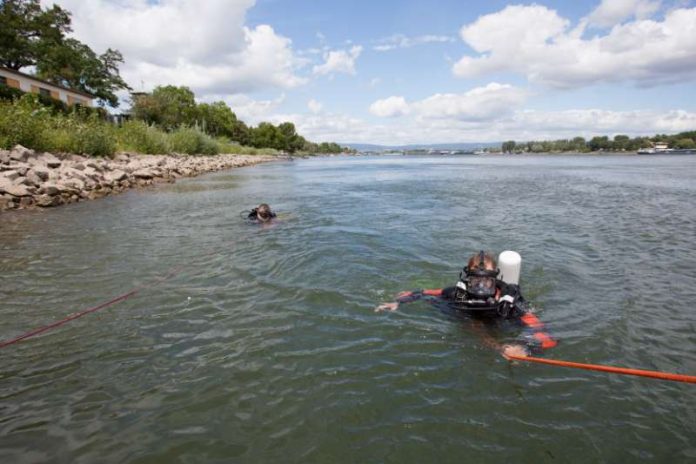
[{"x": 37, "y": 180}]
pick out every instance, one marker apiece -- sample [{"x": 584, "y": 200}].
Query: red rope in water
[
  {"x": 78, "y": 315},
  {"x": 611, "y": 369}
]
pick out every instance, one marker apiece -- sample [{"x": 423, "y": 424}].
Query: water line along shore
[{"x": 30, "y": 179}]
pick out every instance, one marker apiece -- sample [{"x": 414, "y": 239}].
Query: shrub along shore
[{"x": 30, "y": 179}]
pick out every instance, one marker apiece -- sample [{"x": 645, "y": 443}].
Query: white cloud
[
  {"x": 537, "y": 42},
  {"x": 314, "y": 106},
  {"x": 339, "y": 61},
  {"x": 612, "y": 12},
  {"x": 521, "y": 125},
  {"x": 389, "y": 107},
  {"x": 482, "y": 103},
  {"x": 247, "y": 109},
  {"x": 402, "y": 41},
  {"x": 203, "y": 45}
]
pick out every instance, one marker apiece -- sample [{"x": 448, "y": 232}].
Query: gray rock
[
  {"x": 51, "y": 161},
  {"x": 115, "y": 176},
  {"x": 16, "y": 190},
  {"x": 4, "y": 157},
  {"x": 20, "y": 153},
  {"x": 6, "y": 202},
  {"x": 10, "y": 175},
  {"x": 47, "y": 200},
  {"x": 26, "y": 202},
  {"x": 49, "y": 189},
  {"x": 143, "y": 174},
  {"x": 40, "y": 173}
]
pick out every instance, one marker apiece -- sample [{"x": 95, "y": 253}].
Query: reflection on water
[{"x": 263, "y": 346}]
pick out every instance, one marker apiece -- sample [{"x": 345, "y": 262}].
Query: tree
[
  {"x": 168, "y": 106},
  {"x": 599, "y": 143},
  {"x": 27, "y": 31},
  {"x": 621, "y": 142},
  {"x": 289, "y": 140},
  {"x": 685, "y": 143},
  {"x": 266, "y": 135},
  {"x": 75, "y": 65},
  {"x": 509, "y": 146},
  {"x": 217, "y": 119}
]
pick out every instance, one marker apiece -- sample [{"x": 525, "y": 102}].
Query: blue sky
[{"x": 398, "y": 72}]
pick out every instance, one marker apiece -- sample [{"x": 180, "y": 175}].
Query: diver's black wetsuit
[{"x": 507, "y": 304}]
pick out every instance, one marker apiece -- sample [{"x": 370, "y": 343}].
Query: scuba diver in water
[
  {"x": 480, "y": 293},
  {"x": 261, "y": 213}
]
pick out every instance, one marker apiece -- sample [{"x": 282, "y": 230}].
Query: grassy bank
[{"x": 29, "y": 123}]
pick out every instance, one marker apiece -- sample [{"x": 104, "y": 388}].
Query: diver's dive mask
[{"x": 480, "y": 282}]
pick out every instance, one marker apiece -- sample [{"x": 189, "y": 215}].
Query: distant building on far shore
[{"x": 28, "y": 83}]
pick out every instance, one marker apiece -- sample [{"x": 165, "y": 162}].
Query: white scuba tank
[{"x": 510, "y": 265}]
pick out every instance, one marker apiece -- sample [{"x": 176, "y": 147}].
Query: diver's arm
[
  {"x": 408, "y": 297},
  {"x": 537, "y": 339}
]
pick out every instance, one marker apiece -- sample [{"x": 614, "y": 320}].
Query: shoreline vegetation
[{"x": 30, "y": 179}]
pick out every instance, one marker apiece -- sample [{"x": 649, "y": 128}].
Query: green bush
[
  {"x": 29, "y": 123},
  {"x": 140, "y": 137},
  {"x": 192, "y": 141},
  {"x": 23, "y": 122}
]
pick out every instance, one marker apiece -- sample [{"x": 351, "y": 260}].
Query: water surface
[{"x": 262, "y": 344}]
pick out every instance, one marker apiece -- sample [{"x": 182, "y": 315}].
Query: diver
[
  {"x": 261, "y": 213},
  {"x": 484, "y": 291}
]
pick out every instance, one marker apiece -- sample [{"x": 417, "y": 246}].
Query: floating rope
[
  {"x": 611, "y": 369},
  {"x": 78, "y": 315}
]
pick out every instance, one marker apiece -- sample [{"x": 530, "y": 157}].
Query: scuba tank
[{"x": 510, "y": 265}]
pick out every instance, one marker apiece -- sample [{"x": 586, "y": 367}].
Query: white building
[{"x": 28, "y": 83}]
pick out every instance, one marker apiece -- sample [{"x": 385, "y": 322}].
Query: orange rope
[{"x": 612, "y": 369}]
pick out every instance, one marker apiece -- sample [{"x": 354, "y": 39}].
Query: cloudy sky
[{"x": 415, "y": 71}]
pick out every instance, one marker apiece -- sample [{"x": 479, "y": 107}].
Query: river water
[{"x": 250, "y": 344}]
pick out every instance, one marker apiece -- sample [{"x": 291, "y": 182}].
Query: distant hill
[{"x": 425, "y": 146}]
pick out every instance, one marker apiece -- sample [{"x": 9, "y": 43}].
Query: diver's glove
[{"x": 508, "y": 301}]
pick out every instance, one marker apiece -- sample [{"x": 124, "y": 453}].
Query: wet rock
[
  {"x": 48, "y": 200},
  {"x": 6, "y": 202},
  {"x": 26, "y": 202}
]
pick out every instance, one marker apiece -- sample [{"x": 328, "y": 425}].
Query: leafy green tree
[
  {"x": 27, "y": 31},
  {"x": 685, "y": 143},
  {"x": 266, "y": 135},
  {"x": 599, "y": 143},
  {"x": 621, "y": 142},
  {"x": 509, "y": 146},
  {"x": 289, "y": 139},
  {"x": 217, "y": 119},
  {"x": 169, "y": 107},
  {"x": 33, "y": 36},
  {"x": 74, "y": 65}
]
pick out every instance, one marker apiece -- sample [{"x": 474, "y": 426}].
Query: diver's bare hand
[
  {"x": 515, "y": 350},
  {"x": 387, "y": 307}
]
